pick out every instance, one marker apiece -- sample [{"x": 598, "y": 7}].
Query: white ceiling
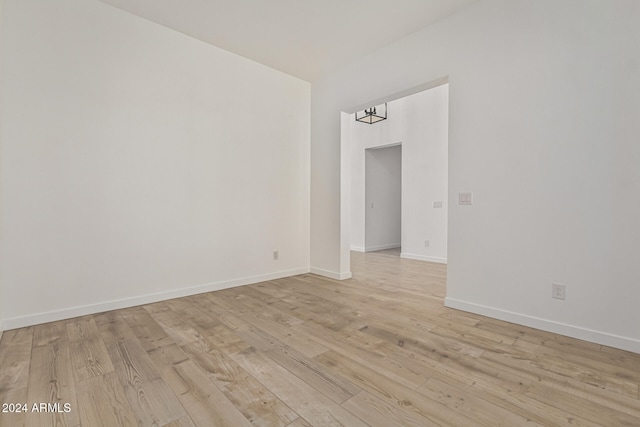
[{"x": 304, "y": 38}]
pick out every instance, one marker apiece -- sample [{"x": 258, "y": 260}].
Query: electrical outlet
[
  {"x": 426, "y": 243},
  {"x": 558, "y": 291},
  {"x": 275, "y": 255},
  {"x": 437, "y": 204}
]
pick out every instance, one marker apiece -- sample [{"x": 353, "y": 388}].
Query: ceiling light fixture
[{"x": 371, "y": 116}]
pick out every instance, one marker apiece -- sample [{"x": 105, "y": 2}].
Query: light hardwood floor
[{"x": 379, "y": 349}]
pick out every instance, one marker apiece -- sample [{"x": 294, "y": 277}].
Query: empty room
[{"x": 295, "y": 213}]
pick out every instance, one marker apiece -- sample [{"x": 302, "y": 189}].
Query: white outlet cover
[{"x": 558, "y": 291}]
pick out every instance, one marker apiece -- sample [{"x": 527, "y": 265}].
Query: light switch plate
[{"x": 465, "y": 198}]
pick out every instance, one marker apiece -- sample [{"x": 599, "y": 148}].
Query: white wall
[
  {"x": 383, "y": 191},
  {"x": 543, "y": 129},
  {"x": 425, "y": 171},
  {"x": 1, "y": 60},
  {"x": 140, "y": 164},
  {"x": 420, "y": 121}
]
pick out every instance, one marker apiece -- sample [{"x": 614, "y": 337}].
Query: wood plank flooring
[{"x": 376, "y": 350}]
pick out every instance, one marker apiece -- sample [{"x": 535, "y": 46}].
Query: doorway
[
  {"x": 383, "y": 198},
  {"x": 417, "y": 127}
]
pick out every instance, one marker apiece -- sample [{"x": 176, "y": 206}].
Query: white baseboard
[
  {"x": 382, "y": 247},
  {"x": 423, "y": 258},
  {"x": 331, "y": 274},
  {"x": 71, "y": 312},
  {"x": 357, "y": 249},
  {"x": 603, "y": 338}
]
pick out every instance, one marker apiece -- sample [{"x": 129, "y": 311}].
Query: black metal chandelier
[{"x": 371, "y": 115}]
